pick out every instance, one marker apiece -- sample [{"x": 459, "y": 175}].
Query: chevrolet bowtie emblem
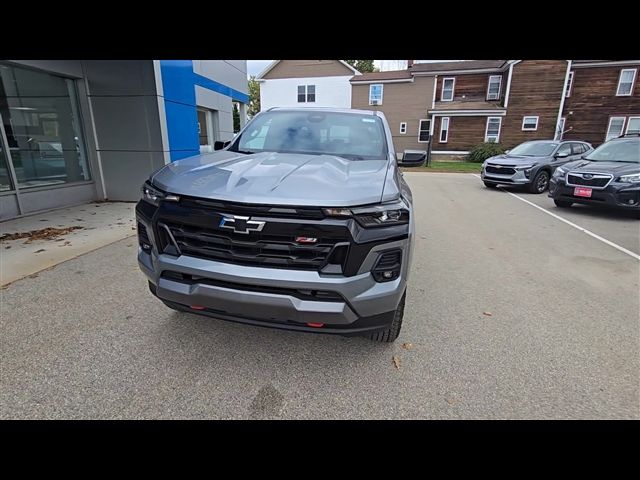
[{"x": 241, "y": 224}]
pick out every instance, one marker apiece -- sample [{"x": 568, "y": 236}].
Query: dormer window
[
  {"x": 448, "y": 85},
  {"x": 493, "y": 90}
]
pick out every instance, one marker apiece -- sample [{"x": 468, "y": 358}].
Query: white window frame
[
  {"x": 381, "y": 85},
  {"x": 567, "y": 94},
  {"x": 629, "y": 121},
  {"x": 499, "y": 77},
  {"x": 453, "y": 89},
  {"x": 559, "y": 134},
  {"x": 446, "y": 138},
  {"x": 420, "y": 129},
  {"x": 306, "y": 93},
  {"x": 524, "y": 120},
  {"x": 633, "y": 82},
  {"x": 611, "y": 119},
  {"x": 486, "y": 129},
  {"x": 403, "y": 128}
]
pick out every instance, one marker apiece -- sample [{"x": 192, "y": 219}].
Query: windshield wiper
[{"x": 247, "y": 152}]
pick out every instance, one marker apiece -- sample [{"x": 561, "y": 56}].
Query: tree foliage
[
  {"x": 254, "y": 97},
  {"x": 363, "y": 66},
  {"x": 236, "y": 118}
]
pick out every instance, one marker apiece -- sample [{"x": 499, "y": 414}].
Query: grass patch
[{"x": 460, "y": 167}]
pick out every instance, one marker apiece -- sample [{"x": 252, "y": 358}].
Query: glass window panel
[
  {"x": 633, "y": 125},
  {"x": 5, "y": 183},
  {"x": 40, "y": 117}
]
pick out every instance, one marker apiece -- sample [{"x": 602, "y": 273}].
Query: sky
[{"x": 254, "y": 67}]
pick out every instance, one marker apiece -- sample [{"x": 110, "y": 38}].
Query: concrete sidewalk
[{"x": 96, "y": 225}]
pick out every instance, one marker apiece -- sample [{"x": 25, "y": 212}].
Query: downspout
[
  {"x": 506, "y": 93},
  {"x": 564, "y": 92}
]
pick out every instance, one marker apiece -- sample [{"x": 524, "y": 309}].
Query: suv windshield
[
  {"x": 534, "y": 149},
  {"x": 350, "y": 135},
  {"x": 627, "y": 150}
]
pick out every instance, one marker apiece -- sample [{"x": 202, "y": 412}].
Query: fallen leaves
[
  {"x": 49, "y": 233},
  {"x": 407, "y": 346},
  {"x": 487, "y": 314},
  {"x": 396, "y": 362},
  {"x": 41, "y": 250},
  {"x": 67, "y": 243}
]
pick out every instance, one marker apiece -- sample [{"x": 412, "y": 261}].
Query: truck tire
[{"x": 390, "y": 334}]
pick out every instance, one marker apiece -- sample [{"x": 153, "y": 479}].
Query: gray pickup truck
[{"x": 302, "y": 222}]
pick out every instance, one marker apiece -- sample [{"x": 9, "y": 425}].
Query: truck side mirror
[{"x": 218, "y": 145}]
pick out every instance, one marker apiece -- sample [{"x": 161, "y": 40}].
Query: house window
[
  {"x": 625, "y": 83},
  {"x": 493, "y": 90},
  {"x": 306, "y": 93},
  {"x": 444, "y": 129},
  {"x": 616, "y": 127},
  {"x": 447, "y": 89},
  {"x": 530, "y": 123},
  {"x": 492, "y": 133},
  {"x": 560, "y": 130},
  {"x": 569, "y": 85},
  {"x": 375, "y": 94},
  {"x": 403, "y": 128},
  {"x": 633, "y": 125},
  {"x": 424, "y": 131}
]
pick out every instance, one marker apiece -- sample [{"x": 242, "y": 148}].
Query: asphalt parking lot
[{"x": 511, "y": 313}]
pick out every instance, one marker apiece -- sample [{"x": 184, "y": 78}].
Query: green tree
[
  {"x": 363, "y": 66},
  {"x": 254, "y": 97},
  {"x": 236, "y": 118}
]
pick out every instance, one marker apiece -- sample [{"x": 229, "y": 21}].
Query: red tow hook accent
[
  {"x": 315, "y": 324},
  {"x": 196, "y": 307}
]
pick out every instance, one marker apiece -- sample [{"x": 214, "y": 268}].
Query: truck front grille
[{"x": 254, "y": 249}]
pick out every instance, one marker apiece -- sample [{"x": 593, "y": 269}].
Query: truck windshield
[
  {"x": 534, "y": 149},
  {"x": 352, "y": 136}
]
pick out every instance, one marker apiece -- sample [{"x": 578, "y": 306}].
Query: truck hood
[
  {"x": 276, "y": 178},
  {"x": 506, "y": 159},
  {"x": 614, "y": 168}
]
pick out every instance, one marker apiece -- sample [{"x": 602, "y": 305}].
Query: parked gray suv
[
  {"x": 531, "y": 164},
  {"x": 303, "y": 222}
]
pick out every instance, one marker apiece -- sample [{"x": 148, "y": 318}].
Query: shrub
[{"x": 483, "y": 151}]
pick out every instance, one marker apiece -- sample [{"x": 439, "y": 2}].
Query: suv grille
[
  {"x": 255, "y": 248},
  {"x": 500, "y": 171},
  {"x": 597, "y": 180}
]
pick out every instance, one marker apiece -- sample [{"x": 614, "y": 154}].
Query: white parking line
[{"x": 578, "y": 227}]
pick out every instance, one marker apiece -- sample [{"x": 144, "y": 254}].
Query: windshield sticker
[{"x": 369, "y": 120}]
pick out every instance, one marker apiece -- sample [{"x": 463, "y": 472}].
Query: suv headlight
[
  {"x": 559, "y": 172},
  {"x": 633, "y": 178},
  {"x": 526, "y": 167},
  {"x": 386, "y": 214}
]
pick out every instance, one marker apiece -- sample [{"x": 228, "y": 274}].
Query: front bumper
[
  {"x": 268, "y": 296},
  {"x": 517, "y": 178},
  {"x": 615, "y": 195}
]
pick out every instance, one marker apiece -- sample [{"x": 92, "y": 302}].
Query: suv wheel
[
  {"x": 540, "y": 183},
  {"x": 391, "y": 333},
  {"x": 562, "y": 203},
  {"x": 490, "y": 185}
]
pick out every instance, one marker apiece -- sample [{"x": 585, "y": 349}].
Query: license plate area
[{"x": 582, "y": 192}]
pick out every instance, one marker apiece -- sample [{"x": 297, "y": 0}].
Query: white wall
[{"x": 283, "y": 92}]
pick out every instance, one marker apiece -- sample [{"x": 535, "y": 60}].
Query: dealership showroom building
[{"x": 75, "y": 131}]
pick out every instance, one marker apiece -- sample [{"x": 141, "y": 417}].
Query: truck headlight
[
  {"x": 153, "y": 195},
  {"x": 386, "y": 214},
  {"x": 395, "y": 213},
  {"x": 633, "y": 178}
]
